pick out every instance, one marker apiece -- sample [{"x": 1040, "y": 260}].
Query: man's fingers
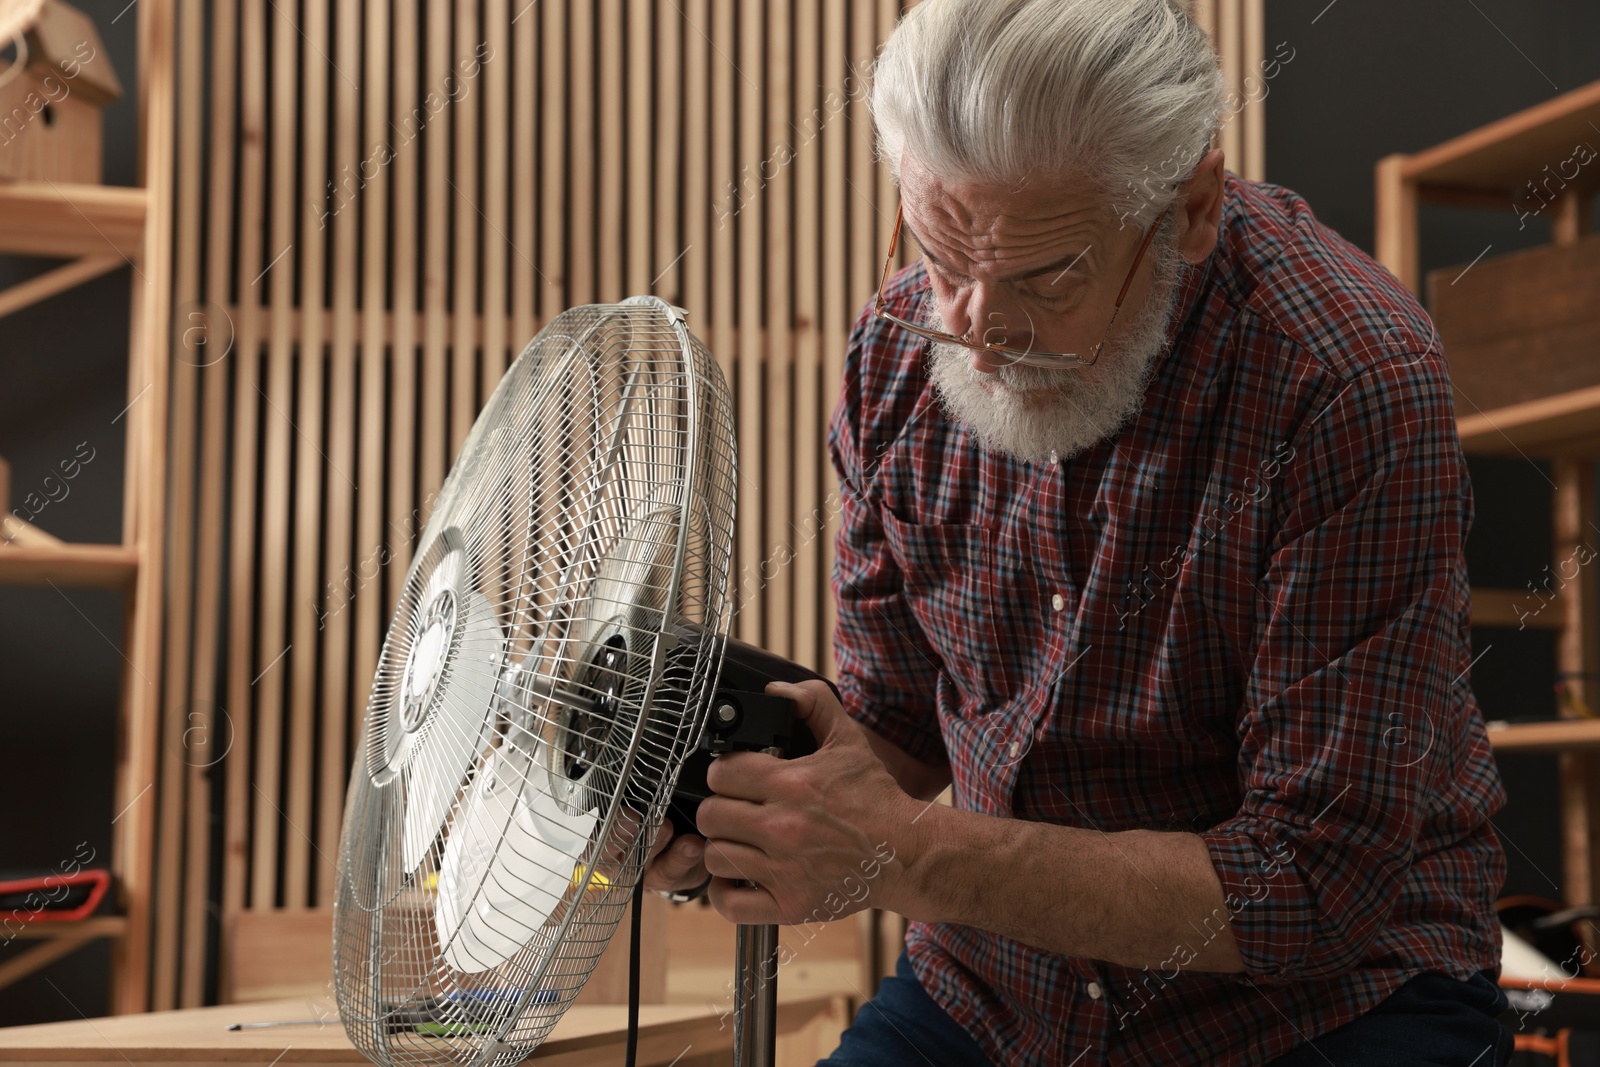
[
  {"x": 681, "y": 865},
  {"x": 741, "y": 903}
]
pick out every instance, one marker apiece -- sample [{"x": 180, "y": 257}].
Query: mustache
[{"x": 1015, "y": 376}]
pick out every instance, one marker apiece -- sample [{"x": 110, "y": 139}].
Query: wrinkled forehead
[{"x": 992, "y": 225}]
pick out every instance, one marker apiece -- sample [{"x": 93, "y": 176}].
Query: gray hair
[{"x": 1123, "y": 94}]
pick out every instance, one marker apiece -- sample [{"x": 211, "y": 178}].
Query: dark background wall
[
  {"x": 63, "y": 380},
  {"x": 1373, "y": 77},
  {"x": 1369, "y": 77}
]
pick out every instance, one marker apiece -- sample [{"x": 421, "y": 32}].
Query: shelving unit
[
  {"x": 99, "y": 229},
  {"x": 1493, "y": 168}
]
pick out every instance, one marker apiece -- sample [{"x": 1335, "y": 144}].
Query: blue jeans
[{"x": 1431, "y": 1019}]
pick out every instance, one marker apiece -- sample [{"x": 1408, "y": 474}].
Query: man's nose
[{"x": 982, "y": 318}]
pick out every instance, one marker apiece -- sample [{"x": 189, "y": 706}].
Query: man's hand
[
  {"x": 677, "y": 862},
  {"x": 817, "y": 835}
]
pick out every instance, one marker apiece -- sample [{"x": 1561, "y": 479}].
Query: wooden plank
[
  {"x": 809, "y": 589},
  {"x": 1573, "y": 218},
  {"x": 636, "y": 117},
  {"x": 1396, "y": 220},
  {"x": 776, "y": 377},
  {"x": 67, "y": 219},
  {"x": 693, "y": 279},
  {"x": 749, "y": 222},
  {"x": 215, "y": 737},
  {"x": 581, "y": 143},
  {"x": 166, "y": 937},
  {"x": 671, "y": 243},
  {"x": 272, "y": 647},
  {"x": 1554, "y": 736},
  {"x": 405, "y": 506},
  {"x": 282, "y": 953},
  {"x": 554, "y": 219},
  {"x": 1230, "y": 41},
  {"x": 59, "y": 280},
  {"x": 464, "y": 206},
  {"x": 608, "y": 131},
  {"x": 527, "y": 180},
  {"x": 245, "y": 430},
  {"x": 1564, "y": 424},
  {"x": 89, "y": 929},
  {"x": 310, "y": 466},
  {"x": 324, "y": 763},
  {"x": 838, "y": 283},
  {"x": 1253, "y": 137},
  {"x": 437, "y": 199},
  {"x": 108, "y": 566},
  {"x": 1510, "y": 153},
  {"x": 1512, "y": 325},
  {"x": 1517, "y": 609},
  {"x": 1577, "y": 663},
  {"x": 585, "y": 1035},
  {"x": 144, "y": 496},
  {"x": 348, "y": 673},
  {"x": 724, "y": 209},
  {"x": 17, "y": 533},
  {"x": 1461, "y": 196},
  {"x": 496, "y": 223}
]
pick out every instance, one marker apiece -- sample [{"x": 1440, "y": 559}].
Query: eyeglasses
[{"x": 1019, "y": 355}]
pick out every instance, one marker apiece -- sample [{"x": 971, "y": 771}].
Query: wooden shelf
[
  {"x": 108, "y": 566},
  {"x": 1503, "y": 156},
  {"x": 1558, "y": 735},
  {"x": 62, "y": 219},
  {"x": 1564, "y": 424},
  {"x": 1515, "y": 609},
  {"x": 83, "y": 930}
]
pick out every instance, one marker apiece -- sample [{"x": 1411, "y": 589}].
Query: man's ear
[{"x": 1199, "y": 209}]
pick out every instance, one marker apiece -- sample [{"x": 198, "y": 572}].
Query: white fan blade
[
  {"x": 508, "y": 860},
  {"x": 436, "y": 768}
]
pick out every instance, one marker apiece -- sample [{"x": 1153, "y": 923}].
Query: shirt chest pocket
[{"x": 977, "y": 607}]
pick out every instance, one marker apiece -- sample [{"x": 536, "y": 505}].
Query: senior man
[{"x": 1152, "y": 549}]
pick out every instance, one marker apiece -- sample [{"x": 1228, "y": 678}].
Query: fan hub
[{"x": 430, "y": 653}]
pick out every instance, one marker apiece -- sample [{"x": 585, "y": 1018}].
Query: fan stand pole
[{"x": 755, "y": 1008}]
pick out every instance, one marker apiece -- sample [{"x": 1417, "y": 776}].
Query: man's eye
[{"x": 1059, "y": 290}]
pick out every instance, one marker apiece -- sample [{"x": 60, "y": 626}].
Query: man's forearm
[{"x": 1132, "y": 898}]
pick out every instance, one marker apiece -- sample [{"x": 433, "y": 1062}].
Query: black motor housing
[{"x": 743, "y": 717}]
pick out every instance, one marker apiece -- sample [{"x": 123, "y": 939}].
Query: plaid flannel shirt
[{"x": 1245, "y": 616}]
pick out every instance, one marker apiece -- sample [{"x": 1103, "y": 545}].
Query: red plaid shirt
[{"x": 1244, "y": 617}]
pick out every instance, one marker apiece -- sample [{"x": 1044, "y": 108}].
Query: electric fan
[{"x": 555, "y": 679}]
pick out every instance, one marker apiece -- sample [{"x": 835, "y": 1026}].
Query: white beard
[{"x": 1081, "y": 405}]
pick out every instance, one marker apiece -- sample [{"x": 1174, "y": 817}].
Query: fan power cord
[{"x": 633, "y": 974}]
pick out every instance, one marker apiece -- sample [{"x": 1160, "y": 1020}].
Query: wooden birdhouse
[{"x": 52, "y": 92}]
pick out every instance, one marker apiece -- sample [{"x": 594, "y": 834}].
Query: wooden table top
[{"x": 586, "y": 1034}]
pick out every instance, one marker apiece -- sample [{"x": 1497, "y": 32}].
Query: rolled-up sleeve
[
  {"x": 1361, "y": 627},
  {"x": 887, "y": 672}
]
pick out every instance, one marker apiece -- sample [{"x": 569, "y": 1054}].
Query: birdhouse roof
[{"x": 54, "y": 34}]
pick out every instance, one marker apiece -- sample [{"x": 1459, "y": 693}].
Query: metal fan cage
[{"x": 575, "y": 566}]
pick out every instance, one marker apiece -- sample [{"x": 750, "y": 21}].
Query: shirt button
[
  {"x": 1016, "y": 746},
  {"x": 1058, "y": 602},
  {"x": 1055, "y": 457},
  {"x": 1094, "y": 990}
]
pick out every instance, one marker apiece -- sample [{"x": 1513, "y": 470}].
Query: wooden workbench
[{"x": 680, "y": 1034}]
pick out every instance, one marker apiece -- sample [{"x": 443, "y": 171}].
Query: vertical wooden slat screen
[
  {"x": 382, "y": 202},
  {"x": 1238, "y": 28}
]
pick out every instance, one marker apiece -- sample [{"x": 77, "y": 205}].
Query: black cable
[{"x": 633, "y": 974}]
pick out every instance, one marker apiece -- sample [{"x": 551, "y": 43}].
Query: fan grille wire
[{"x": 602, "y": 464}]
